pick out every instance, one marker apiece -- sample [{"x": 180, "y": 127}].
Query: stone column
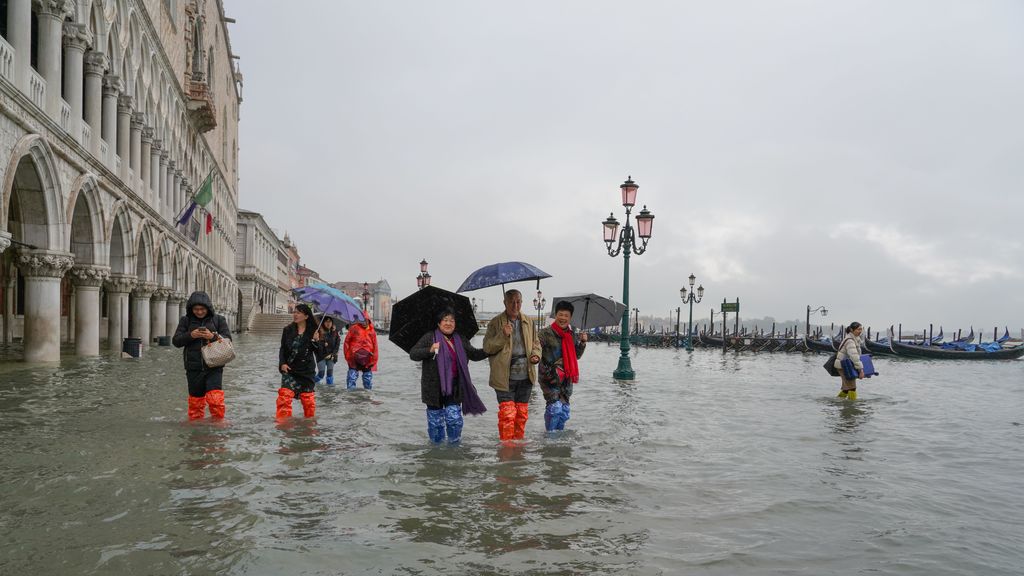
[
  {"x": 174, "y": 179},
  {"x": 146, "y": 155},
  {"x": 76, "y": 39},
  {"x": 125, "y": 105},
  {"x": 51, "y": 29},
  {"x": 95, "y": 64},
  {"x": 19, "y": 35},
  {"x": 140, "y": 311},
  {"x": 87, "y": 281},
  {"x": 111, "y": 88},
  {"x": 5, "y": 243},
  {"x": 136, "y": 151},
  {"x": 174, "y": 303},
  {"x": 161, "y": 196},
  {"x": 118, "y": 287},
  {"x": 43, "y": 270}
]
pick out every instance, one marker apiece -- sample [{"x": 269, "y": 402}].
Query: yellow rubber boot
[
  {"x": 842, "y": 394},
  {"x": 851, "y": 395}
]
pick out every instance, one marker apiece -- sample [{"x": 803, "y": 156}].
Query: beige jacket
[
  {"x": 850, "y": 348},
  {"x": 499, "y": 347}
]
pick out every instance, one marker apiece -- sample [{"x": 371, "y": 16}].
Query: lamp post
[
  {"x": 807, "y": 326},
  {"x": 624, "y": 242},
  {"x": 636, "y": 320},
  {"x": 539, "y": 303},
  {"x": 473, "y": 301},
  {"x": 366, "y": 294},
  {"x": 690, "y": 299},
  {"x": 423, "y": 279}
]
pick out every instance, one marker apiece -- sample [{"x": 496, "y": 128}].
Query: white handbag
[{"x": 218, "y": 352}]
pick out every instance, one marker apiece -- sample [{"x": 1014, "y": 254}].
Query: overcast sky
[{"x": 863, "y": 155}]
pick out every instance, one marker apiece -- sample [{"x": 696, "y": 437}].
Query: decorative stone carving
[
  {"x": 138, "y": 121},
  {"x": 44, "y": 263},
  {"x": 111, "y": 85},
  {"x": 162, "y": 294},
  {"x": 144, "y": 290},
  {"x": 55, "y": 8},
  {"x": 77, "y": 36},
  {"x": 89, "y": 275},
  {"x": 5, "y": 241},
  {"x": 158, "y": 144},
  {"x": 122, "y": 283},
  {"x": 125, "y": 104},
  {"x": 96, "y": 62},
  {"x": 147, "y": 134}
]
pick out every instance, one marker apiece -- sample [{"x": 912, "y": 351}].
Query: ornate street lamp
[
  {"x": 636, "y": 320},
  {"x": 624, "y": 242},
  {"x": 539, "y": 303},
  {"x": 423, "y": 279},
  {"x": 807, "y": 328},
  {"x": 366, "y": 294},
  {"x": 690, "y": 299}
]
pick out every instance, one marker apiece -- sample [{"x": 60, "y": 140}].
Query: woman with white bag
[{"x": 201, "y": 326}]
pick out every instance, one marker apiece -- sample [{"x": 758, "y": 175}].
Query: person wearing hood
[
  {"x": 361, "y": 352},
  {"x": 199, "y": 326},
  {"x": 296, "y": 360}
]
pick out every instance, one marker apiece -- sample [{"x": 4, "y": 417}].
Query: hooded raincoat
[{"x": 201, "y": 378}]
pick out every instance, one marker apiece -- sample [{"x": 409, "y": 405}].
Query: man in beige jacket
[{"x": 514, "y": 352}]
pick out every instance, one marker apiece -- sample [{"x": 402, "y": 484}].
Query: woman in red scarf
[{"x": 561, "y": 348}]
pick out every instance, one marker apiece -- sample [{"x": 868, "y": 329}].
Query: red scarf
[{"x": 569, "y": 364}]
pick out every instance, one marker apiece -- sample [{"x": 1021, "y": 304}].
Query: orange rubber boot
[
  {"x": 215, "y": 400},
  {"x": 284, "y": 402},
  {"x": 506, "y": 420},
  {"x": 522, "y": 415},
  {"x": 308, "y": 400},
  {"x": 196, "y": 407}
]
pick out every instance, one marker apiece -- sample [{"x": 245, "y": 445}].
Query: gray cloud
[{"x": 862, "y": 155}]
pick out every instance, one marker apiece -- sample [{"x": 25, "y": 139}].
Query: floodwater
[{"x": 708, "y": 463}]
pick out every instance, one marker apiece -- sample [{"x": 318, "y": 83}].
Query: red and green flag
[{"x": 205, "y": 193}]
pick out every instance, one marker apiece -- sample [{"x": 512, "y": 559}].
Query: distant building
[
  {"x": 380, "y": 302},
  {"x": 257, "y": 268}
]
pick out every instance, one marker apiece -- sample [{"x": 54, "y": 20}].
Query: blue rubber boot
[
  {"x": 330, "y": 380},
  {"x": 368, "y": 380},
  {"x": 562, "y": 417},
  {"x": 552, "y": 415},
  {"x": 453, "y": 422},
  {"x": 353, "y": 375},
  {"x": 435, "y": 425}
]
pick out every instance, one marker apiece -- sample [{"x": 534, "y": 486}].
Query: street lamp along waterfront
[
  {"x": 807, "y": 326},
  {"x": 690, "y": 299},
  {"x": 423, "y": 280},
  {"x": 366, "y": 294},
  {"x": 539, "y": 303},
  {"x": 624, "y": 242}
]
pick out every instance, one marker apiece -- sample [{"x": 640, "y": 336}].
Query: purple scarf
[{"x": 471, "y": 402}]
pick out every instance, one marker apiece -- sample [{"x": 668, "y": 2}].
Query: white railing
[
  {"x": 117, "y": 164},
  {"x": 6, "y": 60},
  {"x": 86, "y": 134},
  {"x": 65, "y": 115},
  {"x": 103, "y": 150},
  {"x": 36, "y": 88}
]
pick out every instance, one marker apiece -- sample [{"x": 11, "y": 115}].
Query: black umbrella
[
  {"x": 415, "y": 315},
  {"x": 591, "y": 310}
]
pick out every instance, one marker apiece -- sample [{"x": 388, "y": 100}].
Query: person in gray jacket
[{"x": 850, "y": 349}]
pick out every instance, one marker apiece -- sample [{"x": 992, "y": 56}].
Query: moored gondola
[{"x": 935, "y": 352}]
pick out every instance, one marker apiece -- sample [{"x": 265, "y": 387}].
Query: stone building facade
[
  {"x": 258, "y": 266},
  {"x": 112, "y": 114}
]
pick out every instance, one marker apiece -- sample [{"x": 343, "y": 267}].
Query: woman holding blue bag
[{"x": 848, "y": 361}]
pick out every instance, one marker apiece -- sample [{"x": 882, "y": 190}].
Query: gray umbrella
[{"x": 591, "y": 310}]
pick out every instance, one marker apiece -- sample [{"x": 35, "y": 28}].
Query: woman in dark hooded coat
[{"x": 199, "y": 326}]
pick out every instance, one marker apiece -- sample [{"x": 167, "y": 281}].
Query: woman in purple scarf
[{"x": 446, "y": 387}]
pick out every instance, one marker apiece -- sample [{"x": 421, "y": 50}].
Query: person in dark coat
[
  {"x": 297, "y": 363},
  {"x": 327, "y": 352},
  {"x": 445, "y": 385},
  {"x": 199, "y": 326}
]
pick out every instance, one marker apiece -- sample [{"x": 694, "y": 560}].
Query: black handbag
[{"x": 830, "y": 365}]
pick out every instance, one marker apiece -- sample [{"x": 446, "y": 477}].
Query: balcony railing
[
  {"x": 65, "y": 115},
  {"x": 104, "y": 150},
  {"x": 87, "y": 135},
  {"x": 6, "y": 60},
  {"x": 37, "y": 89},
  {"x": 200, "y": 106}
]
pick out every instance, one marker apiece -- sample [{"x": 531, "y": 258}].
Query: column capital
[
  {"x": 161, "y": 294},
  {"x": 158, "y": 144},
  {"x": 54, "y": 8},
  {"x": 171, "y": 166},
  {"x": 5, "y": 241},
  {"x": 138, "y": 120},
  {"x": 89, "y": 275},
  {"x": 147, "y": 135},
  {"x": 111, "y": 84},
  {"x": 164, "y": 157},
  {"x": 144, "y": 290},
  {"x": 125, "y": 104},
  {"x": 184, "y": 183},
  {"x": 44, "y": 263},
  {"x": 77, "y": 36},
  {"x": 122, "y": 283},
  {"x": 96, "y": 63}
]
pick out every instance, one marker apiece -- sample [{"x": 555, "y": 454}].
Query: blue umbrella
[
  {"x": 331, "y": 302},
  {"x": 501, "y": 274}
]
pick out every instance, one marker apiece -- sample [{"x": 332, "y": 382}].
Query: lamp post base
[{"x": 624, "y": 370}]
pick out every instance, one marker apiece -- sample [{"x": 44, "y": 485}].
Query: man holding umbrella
[{"x": 514, "y": 351}]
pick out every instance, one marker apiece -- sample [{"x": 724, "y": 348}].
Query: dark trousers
[
  {"x": 202, "y": 381},
  {"x": 518, "y": 391}
]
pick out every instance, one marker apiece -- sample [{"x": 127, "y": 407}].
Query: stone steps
[{"x": 269, "y": 323}]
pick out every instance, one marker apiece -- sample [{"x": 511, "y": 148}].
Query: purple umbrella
[{"x": 330, "y": 301}]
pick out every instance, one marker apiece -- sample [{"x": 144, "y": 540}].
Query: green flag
[{"x": 205, "y": 193}]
